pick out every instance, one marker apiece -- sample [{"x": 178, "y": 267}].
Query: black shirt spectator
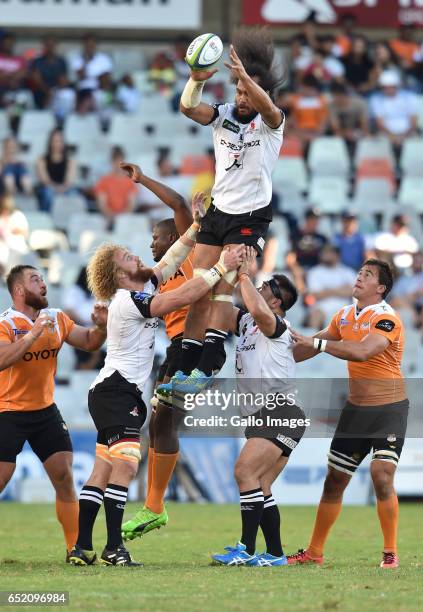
[
  {"x": 359, "y": 66},
  {"x": 45, "y": 72},
  {"x": 307, "y": 242}
]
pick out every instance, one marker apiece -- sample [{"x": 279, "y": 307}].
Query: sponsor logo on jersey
[
  {"x": 392, "y": 438},
  {"x": 365, "y": 325},
  {"x": 37, "y": 355},
  {"x": 141, "y": 296},
  {"x": 385, "y": 325},
  {"x": 232, "y": 127},
  {"x": 19, "y": 332},
  {"x": 246, "y": 231},
  {"x": 134, "y": 412},
  {"x": 344, "y": 322},
  {"x": 289, "y": 442}
]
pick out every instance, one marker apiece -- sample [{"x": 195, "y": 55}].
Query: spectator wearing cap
[
  {"x": 397, "y": 244},
  {"x": 308, "y": 111},
  {"x": 306, "y": 241},
  {"x": 394, "y": 110},
  {"x": 46, "y": 71},
  {"x": 349, "y": 241},
  {"x": 329, "y": 286},
  {"x": 348, "y": 115}
]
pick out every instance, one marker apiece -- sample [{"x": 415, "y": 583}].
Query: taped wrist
[
  {"x": 213, "y": 275},
  {"x": 191, "y": 96}
]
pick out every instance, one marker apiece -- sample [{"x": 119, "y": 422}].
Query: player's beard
[
  {"x": 142, "y": 275},
  {"x": 35, "y": 301},
  {"x": 244, "y": 118}
]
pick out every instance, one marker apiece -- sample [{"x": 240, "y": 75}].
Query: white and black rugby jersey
[
  {"x": 264, "y": 364},
  {"x": 130, "y": 336},
  {"x": 246, "y": 154}
]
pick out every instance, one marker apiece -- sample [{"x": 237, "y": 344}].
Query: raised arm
[
  {"x": 194, "y": 289},
  {"x": 90, "y": 338},
  {"x": 181, "y": 211},
  {"x": 259, "y": 99},
  {"x": 191, "y": 105}
]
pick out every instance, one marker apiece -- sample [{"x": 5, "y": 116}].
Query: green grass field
[{"x": 178, "y": 576}]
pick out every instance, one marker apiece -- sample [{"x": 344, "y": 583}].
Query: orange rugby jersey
[
  {"x": 378, "y": 380},
  {"x": 175, "y": 321},
  {"x": 28, "y": 384}
]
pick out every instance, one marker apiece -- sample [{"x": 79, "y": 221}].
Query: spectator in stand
[
  {"x": 405, "y": 47},
  {"x": 343, "y": 41},
  {"x": 398, "y": 244},
  {"x": 385, "y": 60},
  {"x": 308, "y": 111},
  {"x": 329, "y": 286},
  {"x": 13, "y": 173},
  {"x": 350, "y": 242},
  {"x": 348, "y": 115},
  {"x": 162, "y": 73},
  {"x": 395, "y": 110},
  {"x": 115, "y": 192},
  {"x": 13, "y": 232},
  {"x": 359, "y": 66},
  {"x": 78, "y": 303},
  {"x": 407, "y": 292},
  {"x": 13, "y": 69},
  {"x": 127, "y": 95},
  {"x": 324, "y": 69},
  {"x": 45, "y": 72},
  {"x": 89, "y": 66},
  {"x": 56, "y": 171},
  {"x": 104, "y": 99},
  {"x": 306, "y": 241},
  {"x": 63, "y": 100}
]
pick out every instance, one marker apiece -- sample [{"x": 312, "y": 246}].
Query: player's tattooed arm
[
  {"x": 181, "y": 211},
  {"x": 259, "y": 98}
]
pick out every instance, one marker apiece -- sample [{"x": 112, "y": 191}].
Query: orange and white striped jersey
[
  {"x": 28, "y": 384},
  {"x": 378, "y": 380},
  {"x": 175, "y": 321}
]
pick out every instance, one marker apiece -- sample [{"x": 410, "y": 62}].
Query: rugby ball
[{"x": 204, "y": 52}]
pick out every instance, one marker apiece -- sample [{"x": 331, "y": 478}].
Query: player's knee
[
  {"x": 382, "y": 482},
  {"x": 242, "y": 471},
  {"x": 63, "y": 479},
  {"x": 335, "y": 483}
]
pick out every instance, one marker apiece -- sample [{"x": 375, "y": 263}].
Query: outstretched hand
[
  {"x": 199, "y": 206},
  {"x": 133, "y": 171},
  {"x": 249, "y": 263},
  {"x": 99, "y": 315},
  {"x": 203, "y": 75},
  {"x": 301, "y": 340},
  {"x": 236, "y": 66}
]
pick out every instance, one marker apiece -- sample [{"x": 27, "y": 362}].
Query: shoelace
[
  {"x": 299, "y": 555},
  {"x": 388, "y": 557}
]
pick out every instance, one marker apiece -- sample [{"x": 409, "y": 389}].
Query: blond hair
[{"x": 101, "y": 271}]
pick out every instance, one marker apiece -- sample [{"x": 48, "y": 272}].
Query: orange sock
[
  {"x": 163, "y": 466},
  {"x": 67, "y": 514},
  {"x": 327, "y": 514},
  {"x": 388, "y": 512},
  {"x": 150, "y": 468}
]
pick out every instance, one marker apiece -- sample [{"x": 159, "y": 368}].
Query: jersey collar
[
  {"x": 17, "y": 313},
  {"x": 357, "y": 314}
]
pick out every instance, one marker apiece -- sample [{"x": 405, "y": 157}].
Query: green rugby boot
[{"x": 144, "y": 521}]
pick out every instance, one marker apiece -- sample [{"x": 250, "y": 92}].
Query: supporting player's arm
[
  {"x": 370, "y": 346},
  {"x": 259, "y": 98},
  {"x": 90, "y": 338},
  {"x": 11, "y": 352},
  {"x": 180, "y": 250},
  {"x": 181, "y": 211},
  {"x": 191, "y": 105},
  {"x": 195, "y": 288},
  {"x": 302, "y": 352}
]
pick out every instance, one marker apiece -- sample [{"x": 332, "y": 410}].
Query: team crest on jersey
[
  {"x": 141, "y": 296},
  {"x": 134, "y": 412},
  {"x": 392, "y": 438}
]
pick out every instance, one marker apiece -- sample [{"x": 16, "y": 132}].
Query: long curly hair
[
  {"x": 101, "y": 271},
  {"x": 256, "y": 50}
]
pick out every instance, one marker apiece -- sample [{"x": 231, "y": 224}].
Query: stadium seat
[
  {"x": 290, "y": 171},
  {"x": 128, "y": 132},
  {"x": 130, "y": 224},
  {"x": 142, "y": 83},
  {"x": 372, "y": 193},
  {"x": 374, "y": 147},
  {"x": 411, "y": 160},
  {"x": 329, "y": 193},
  {"x": 4, "y": 125},
  {"x": 81, "y": 221},
  {"x": 64, "y": 267},
  {"x": 90, "y": 239},
  {"x": 64, "y": 207},
  {"x": 411, "y": 192},
  {"x": 47, "y": 240},
  {"x": 34, "y": 130},
  {"x": 25, "y": 203},
  {"x": 39, "y": 220},
  {"x": 328, "y": 155},
  {"x": 66, "y": 362},
  {"x": 154, "y": 106},
  {"x": 420, "y": 112},
  {"x": 196, "y": 164},
  {"x": 376, "y": 168},
  {"x": 291, "y": 147}
]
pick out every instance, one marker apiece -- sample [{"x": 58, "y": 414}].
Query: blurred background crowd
[{"x": 348, "y": 184}]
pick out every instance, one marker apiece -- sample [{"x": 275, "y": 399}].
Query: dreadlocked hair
[
  {"x": 101, "y": 271},
  {"x": 256, "y": 51}
]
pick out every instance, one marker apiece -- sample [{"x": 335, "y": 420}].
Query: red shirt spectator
[{"x": 115, "y": 192}]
